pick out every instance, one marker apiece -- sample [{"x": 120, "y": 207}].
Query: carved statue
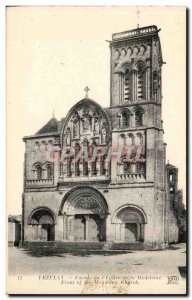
[
  {"x": 96, "y": 126},
  {"x": 86, "y": 122},
  {"x": 87, "y": 203},
  {"x": 75, "y": 128},
  {"x": 75, "y": 121},
  {"x": 103, "y": 135},
  {"x": 68, "y": 137}
]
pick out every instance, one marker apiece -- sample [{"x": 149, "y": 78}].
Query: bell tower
[
  {"x": 135, "y": 107},
  {"x": 136, "y": 96},
  {"x": 136, "y": 62}
]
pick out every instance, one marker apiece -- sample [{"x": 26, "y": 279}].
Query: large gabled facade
[{"x": 114, "y": 200}]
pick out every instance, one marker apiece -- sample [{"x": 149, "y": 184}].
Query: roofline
[
  {"x": 35, "y": 136},
  {"x": 134, "y": 33}
]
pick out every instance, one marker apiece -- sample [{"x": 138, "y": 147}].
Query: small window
[
  {"x": 171, "y": 177},
  {"x": 171, "y": 190},
  {"x": 49, "y": 172},
  {"x": 38, "y": 172}
]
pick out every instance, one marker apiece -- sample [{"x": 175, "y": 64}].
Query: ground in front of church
[{"x": 166, "y": 263}]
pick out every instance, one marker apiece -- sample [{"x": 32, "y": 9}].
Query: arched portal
[
  {"x": 85, "y": 210},
  {"x": 43, "y": 222},
  {"x": 129, "y": 223}
]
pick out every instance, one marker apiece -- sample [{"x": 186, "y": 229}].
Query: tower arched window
[
  {"x": 127, "y": 85},
  {"x": 139, "y": 116},
  {"x": 125, "y": 119}
]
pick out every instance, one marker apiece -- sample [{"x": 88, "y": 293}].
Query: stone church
[{"x": 111, "y": 199}]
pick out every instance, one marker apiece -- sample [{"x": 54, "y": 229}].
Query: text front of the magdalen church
[{"x": 99, "y": 176}]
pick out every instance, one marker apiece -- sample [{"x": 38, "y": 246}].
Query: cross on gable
[{"x": 86, "y": 91}]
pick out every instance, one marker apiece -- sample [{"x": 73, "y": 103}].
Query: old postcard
[{"x": 96, "y": 150}]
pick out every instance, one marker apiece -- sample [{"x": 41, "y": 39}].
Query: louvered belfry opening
[
  {"x": 140, "y": 82},
  {"x": 127, "y": 85}
]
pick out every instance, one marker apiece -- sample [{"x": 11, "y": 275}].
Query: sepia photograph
[{"x": 96, "y": 150}]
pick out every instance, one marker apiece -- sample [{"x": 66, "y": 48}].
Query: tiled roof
[{"x": 51, "y": 126}]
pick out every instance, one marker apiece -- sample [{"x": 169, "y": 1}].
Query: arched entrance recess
[
  {"x": 85, "y": 210},
  {"x": 43, "y": 222},
  {"x": 129, "y": 223}
]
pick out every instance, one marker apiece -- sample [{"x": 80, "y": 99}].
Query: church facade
[{"x": 100, "y": 174}]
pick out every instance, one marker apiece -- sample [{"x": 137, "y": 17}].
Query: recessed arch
[
  {"x": 83, "y": 200},
  {"x": 84, "y": 103},
  {"x": 43, "y": 210},
  {"x": 124, "y": 209}
]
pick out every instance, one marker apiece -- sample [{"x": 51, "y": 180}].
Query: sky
[{"x": 54, "y": 52}]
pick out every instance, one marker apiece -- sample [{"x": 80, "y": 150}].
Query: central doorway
[
  {"x": 85, "y": 211},
  {"x": 88, "y": 228}
]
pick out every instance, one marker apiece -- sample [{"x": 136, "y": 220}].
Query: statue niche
[
  {"x": 68, "y": 137},
  {"x": 103, "y": 134},
  {"x": 96, "y": 126},
  {"x": 86, "y": 122},
  {"x": 75, "y": 121}
]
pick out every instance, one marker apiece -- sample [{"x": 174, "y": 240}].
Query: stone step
[
  {"x": 127, "y": 246},
  {"x": 78, "y": 246},
  {"x": 63, "y": 245}
]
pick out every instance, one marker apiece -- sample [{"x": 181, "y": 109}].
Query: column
[
  {"x": 98, "y": 167},
  {"x": 118, "y": 232},
  {"x": 59, "y": 229},
  {"x": 109, "y": 229},
  {"x": 39, "y": 232},
  {"x": 70, "y": 228},
  {"x": 134, "y": 85},
  {"x": 102, "y": 236},
  {"x": 35, "y": 232},
  {"x": 87, "y": 227},
  {"x": 121, "y": 87},
  {"x": 123, "y": 232},
  {"x": 142, "y": 233}
]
